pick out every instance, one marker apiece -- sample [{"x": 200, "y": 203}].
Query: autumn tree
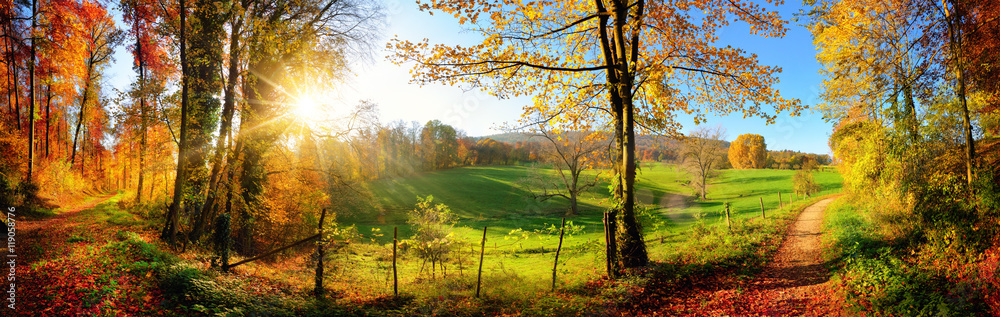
[
  {"x": 804, "y": 183},
  {"x": 492, "y": 152},
  {"x": 148, "y": 54},
  {"x": 100, "y": 37},
  {"x": 60, "y": 65},
  {"x": 571, "y": 154},
  {"x": 621, "y": 62},
  {"x": 748, "y": 151},
  {"x": 702, "y": 154},
  {"x": 980, "y": 46},
  {"x": 14, "y": 54},
  {"x": 438, "y": 145},
  {"x": 883, "y": 59},
  {"x": 432, "y": 239},
  {"x": 32, "y": 37},
  {"x": 288, "y": 45}
]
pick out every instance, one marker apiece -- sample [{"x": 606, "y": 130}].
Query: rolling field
[{"x": 516, "y": 249}]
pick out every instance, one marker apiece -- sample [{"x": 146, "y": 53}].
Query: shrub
[
  {"x": 433, "y": 239},
  {"x": 804, "y": 183}
]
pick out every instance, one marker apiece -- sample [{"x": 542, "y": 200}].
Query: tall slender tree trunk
[
  {"x": 173, "y": 215},
  {"x": 83, "y": 152},
  {"x": 142, "y": 120},
  {"x": 8, "y": 71},
  {"x": 12, "y": 61},
  {"x": 83, "y": 108},
  {"x": 632, "y": 247},
  {"x": 48, "y": 115},
  {"x": 31, "y": 93},
  {"x": 955, "y": 37},
  {"x": 614, "y": 99}
]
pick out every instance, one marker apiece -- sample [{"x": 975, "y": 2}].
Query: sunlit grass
[
  {"x": 487, "y": 196},
  {"x": 518, "y": 260}
]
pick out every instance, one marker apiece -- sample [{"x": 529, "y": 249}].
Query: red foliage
[{"x": 982, "y": 48}]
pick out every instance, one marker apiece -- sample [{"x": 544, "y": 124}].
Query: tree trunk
[
  {"x": 142, "y": 121},
  {"x": 209, "y": 209},
  {"x": 704, "y": 184},
  {"x": 48, "y": 116},
  {"x": 31, "y": 93},
  {"x": 13, "y": 69},
  {"x": 170, "y": 228},
  {"x": 955, "y": 36},
  {"x": 573, "y": 209},
  {"x": 9, "y": 71},
  {"x": 83, "y": 108},
  {"x": 633, "y": 248}
]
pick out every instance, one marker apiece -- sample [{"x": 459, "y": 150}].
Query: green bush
[
  {"x": 887, "y": 285},
  {"x": 880, "y": 276}
]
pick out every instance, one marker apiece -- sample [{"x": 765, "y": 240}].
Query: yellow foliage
[
  {"x": 748, "y": 151},
  {"x": 563, "y": 59}
]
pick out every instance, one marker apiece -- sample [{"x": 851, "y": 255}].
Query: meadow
[
  {"x": 686, "y": 238},
  {"x": 520, "y": 238}
]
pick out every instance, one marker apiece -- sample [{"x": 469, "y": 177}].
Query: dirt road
[{"x": 795, "y": 283}]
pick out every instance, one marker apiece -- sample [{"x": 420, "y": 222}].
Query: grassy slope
[
  {"x": 486, "y": 196},
  {"x": 516, "y": 272}
]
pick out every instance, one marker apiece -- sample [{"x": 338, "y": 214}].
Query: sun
[{"x": 308, "y": 108}]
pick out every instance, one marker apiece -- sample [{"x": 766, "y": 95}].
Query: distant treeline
[
  {"x": 662, "y": 149},
  {"x": 402, "y": 149}
]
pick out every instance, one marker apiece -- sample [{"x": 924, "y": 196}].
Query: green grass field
[{"x": 487, "y": 196}]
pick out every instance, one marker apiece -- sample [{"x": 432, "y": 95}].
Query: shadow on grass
[{"x": 756, "y": 179}]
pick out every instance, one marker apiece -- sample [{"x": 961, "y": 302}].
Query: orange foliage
[
  {"x": 748, "y": 151},
  {"x": 558, "y": 59}
]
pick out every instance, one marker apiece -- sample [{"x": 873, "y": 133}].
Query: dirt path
[
  {"x": 48, "y": 240},
  {"x": 795, "y": 283}
]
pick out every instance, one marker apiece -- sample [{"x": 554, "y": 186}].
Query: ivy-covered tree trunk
[
  {"x": 631, "y": 246},
  {"x": 256, "y": 136},
  {"x": 210, "y": 208},
  {"x": 205, "y": 83}
]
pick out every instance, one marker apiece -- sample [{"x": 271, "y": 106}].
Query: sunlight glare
[{"x": 308, "y": 108}]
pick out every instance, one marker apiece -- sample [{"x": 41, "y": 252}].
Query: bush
[
  {"x": 882, "y": 275},
  {"x": 432, "y": 239},
  {"x": 804, "y": 183}
]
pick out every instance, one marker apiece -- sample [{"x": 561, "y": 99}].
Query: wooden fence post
[
  {"x": 482, "y": 251},
  {"x": 562, "y": 229},
  {"x": 780, "y": 204},
  {"x": 728, "y": 223},
  {"x": 319, "y": 290},
  {"x": 395, "y": 280},
  {"x": 610, "y": 243},
  {"x": 762, "y": 215}
]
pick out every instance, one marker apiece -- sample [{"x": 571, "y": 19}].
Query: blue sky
[{"x": 479, "y": 114}]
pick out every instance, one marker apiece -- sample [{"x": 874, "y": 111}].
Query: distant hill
[
  {"x": 642, "y": 140},
  {"x": 513, "y": 137}
]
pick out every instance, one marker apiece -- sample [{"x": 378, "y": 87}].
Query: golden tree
[
  {"x": 748, "y": 151},
  {"x": 627, "y": 63}
]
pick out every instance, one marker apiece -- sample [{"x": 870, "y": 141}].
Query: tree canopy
[{"x": 630, "y": 64}]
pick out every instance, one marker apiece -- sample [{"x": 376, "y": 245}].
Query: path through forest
[{"x": 62, "y": 270}]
